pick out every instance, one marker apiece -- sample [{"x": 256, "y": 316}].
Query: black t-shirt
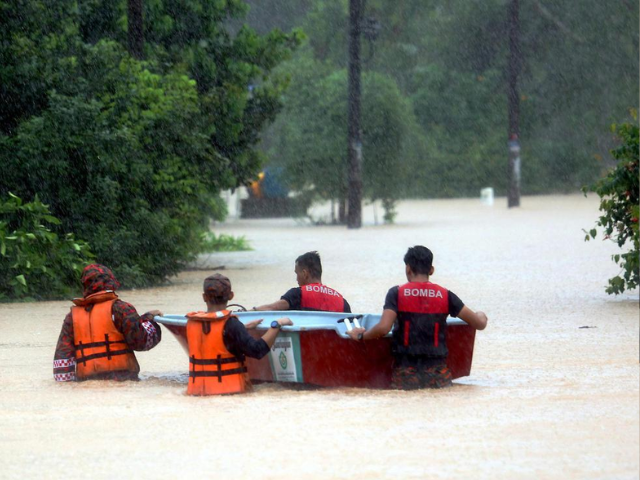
[
  {"x": 294, "y": 299},
  {"x": 239, "y": 341},
  {"x": 391, "y": 302}
]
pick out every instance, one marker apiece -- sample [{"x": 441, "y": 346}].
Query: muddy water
[{"x": 546, "y": 398}]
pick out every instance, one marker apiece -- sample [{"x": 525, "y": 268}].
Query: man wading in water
[
  {"x": 311, "y": 294},
  {"x": 100, "y": 333},
  {"x": 418, "y": 311},
  {"x": 219, "y": 342}
]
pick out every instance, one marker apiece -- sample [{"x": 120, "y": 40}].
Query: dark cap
[{"x": 217, "y": 287}]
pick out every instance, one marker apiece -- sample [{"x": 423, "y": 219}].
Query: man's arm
[
  {"x": 239, "y": 341},
  {"x": 277, "y": 305},
  {"x": 477, "y": 320},
  {"x": 64, "y": 360},
  {"x": 380, "y": 329},
  {"x": 140, "y": 332}
]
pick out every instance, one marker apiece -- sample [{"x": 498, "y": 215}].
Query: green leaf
[
  {"x": 21, "y": 280},
  {"x": 51, "y": 219}
]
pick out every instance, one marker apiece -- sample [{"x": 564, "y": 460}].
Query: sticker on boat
[{"x": 284, "y": 358}]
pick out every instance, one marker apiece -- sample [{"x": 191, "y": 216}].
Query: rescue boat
[{"x": 316, "y": 350}]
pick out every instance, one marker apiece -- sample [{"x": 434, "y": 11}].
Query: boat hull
[{"x": 317, "y": 351}]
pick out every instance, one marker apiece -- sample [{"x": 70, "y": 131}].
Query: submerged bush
[
  {"x": 36, "y": 262},
  {"x": 619, "y": 199},
  {"x": 224, "y": 243}
]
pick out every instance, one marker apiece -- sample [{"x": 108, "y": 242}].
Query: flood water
[{"x": 545, "y": 399}]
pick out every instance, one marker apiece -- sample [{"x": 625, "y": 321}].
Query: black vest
[{"x": 421, "y": 326}]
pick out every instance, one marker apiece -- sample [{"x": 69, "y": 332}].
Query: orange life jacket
[
  {"x": 213, "y": 370},
  {"x": 100, "y": 347}
]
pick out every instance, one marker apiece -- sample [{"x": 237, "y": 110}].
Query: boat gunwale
[{"x": 332, "y": 320}]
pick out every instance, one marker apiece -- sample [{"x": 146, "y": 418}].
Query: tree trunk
[
  {"x": 515, "y": 60},
  {"x": 354, "y": 153},
  {"x": 342, "y": 211}
]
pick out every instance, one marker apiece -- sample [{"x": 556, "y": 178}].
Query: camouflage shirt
[{"x": 140, "y": 332}]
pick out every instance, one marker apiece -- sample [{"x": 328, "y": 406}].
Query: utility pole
[
  {"x": 515, "y": 61},
  {"x": 354, "y": 153},
  {"x": 135, "y": 32}
]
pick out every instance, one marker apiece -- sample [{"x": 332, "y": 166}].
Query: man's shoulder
[
  {"x": 232, "y": 324},
  {"x": 295, "y": 292},
  {"x": 393, "y": 290},
  {"x": 121, "y": 306}
]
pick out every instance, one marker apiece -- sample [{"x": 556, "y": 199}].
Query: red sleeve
[
  {"x": 140, "y": 332},
  {"x": 64, "y": 360}
]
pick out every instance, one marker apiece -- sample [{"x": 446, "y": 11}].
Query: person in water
[
  {"x": 311, "y": 293},
  {"x": 101, "y": 332},
  {"x": 418, "y": 312},
  {"x": 219, "y": 342}
]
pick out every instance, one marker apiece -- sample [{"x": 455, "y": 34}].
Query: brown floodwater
[{"x": 545, "y": 399}]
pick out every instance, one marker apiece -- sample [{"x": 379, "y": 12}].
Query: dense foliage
[
  {"x": 449, "y": 59},
  {"x": 311, "y": 143},
  {"x": 131, "y": 155},
  {"x": 35, "y": 262},
  {"x": 619, "y": 204}
]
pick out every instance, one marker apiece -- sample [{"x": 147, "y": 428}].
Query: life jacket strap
[
  {"x": 81, "y": 346},
  {"x": 80, "y": 357},
  {"x": 94, "y": 356},
  {"x": 213, "y": 361},
  {"x": 218, "y": 362},
  {"x": 218, "y": 373}
]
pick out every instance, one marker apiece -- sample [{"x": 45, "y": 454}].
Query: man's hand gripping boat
[{"x": 316, "y": 349}]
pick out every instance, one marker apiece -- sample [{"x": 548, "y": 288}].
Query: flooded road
[{"x": 545, "y": 399}]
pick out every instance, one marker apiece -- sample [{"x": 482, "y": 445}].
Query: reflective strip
[
  {"x": 64, "y": 362},
  {"x": 64, "y": 377},
  {"x": 151, "y": 335},
  {"x": 406, "y": 333}
]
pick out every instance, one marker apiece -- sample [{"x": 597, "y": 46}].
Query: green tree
[
  {"x": 579, "y": 74},
  {"x": 619, "y": 198},
  {"x": 36, "y": 262},
  {"x": 311, "y": 143},
  {"x": 131, "y": 156}
]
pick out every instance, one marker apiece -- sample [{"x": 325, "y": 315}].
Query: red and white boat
[{"x": 316, "y": 349}]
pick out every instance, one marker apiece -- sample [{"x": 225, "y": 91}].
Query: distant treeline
[
  {"x": 435, "y": 93},
  {"x": 122, "y": 151}
]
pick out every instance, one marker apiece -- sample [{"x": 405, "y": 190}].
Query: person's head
[
  {"x": 98, "y": 278},
  {"x": 308, "y": 268},
  {"x": 217, "y": 290},
  {"x": 418, "y": 261}
]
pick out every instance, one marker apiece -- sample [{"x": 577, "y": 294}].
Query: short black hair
[
  {"x": 311, "y": 261},
  {"x": 419, "y": 259}
]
